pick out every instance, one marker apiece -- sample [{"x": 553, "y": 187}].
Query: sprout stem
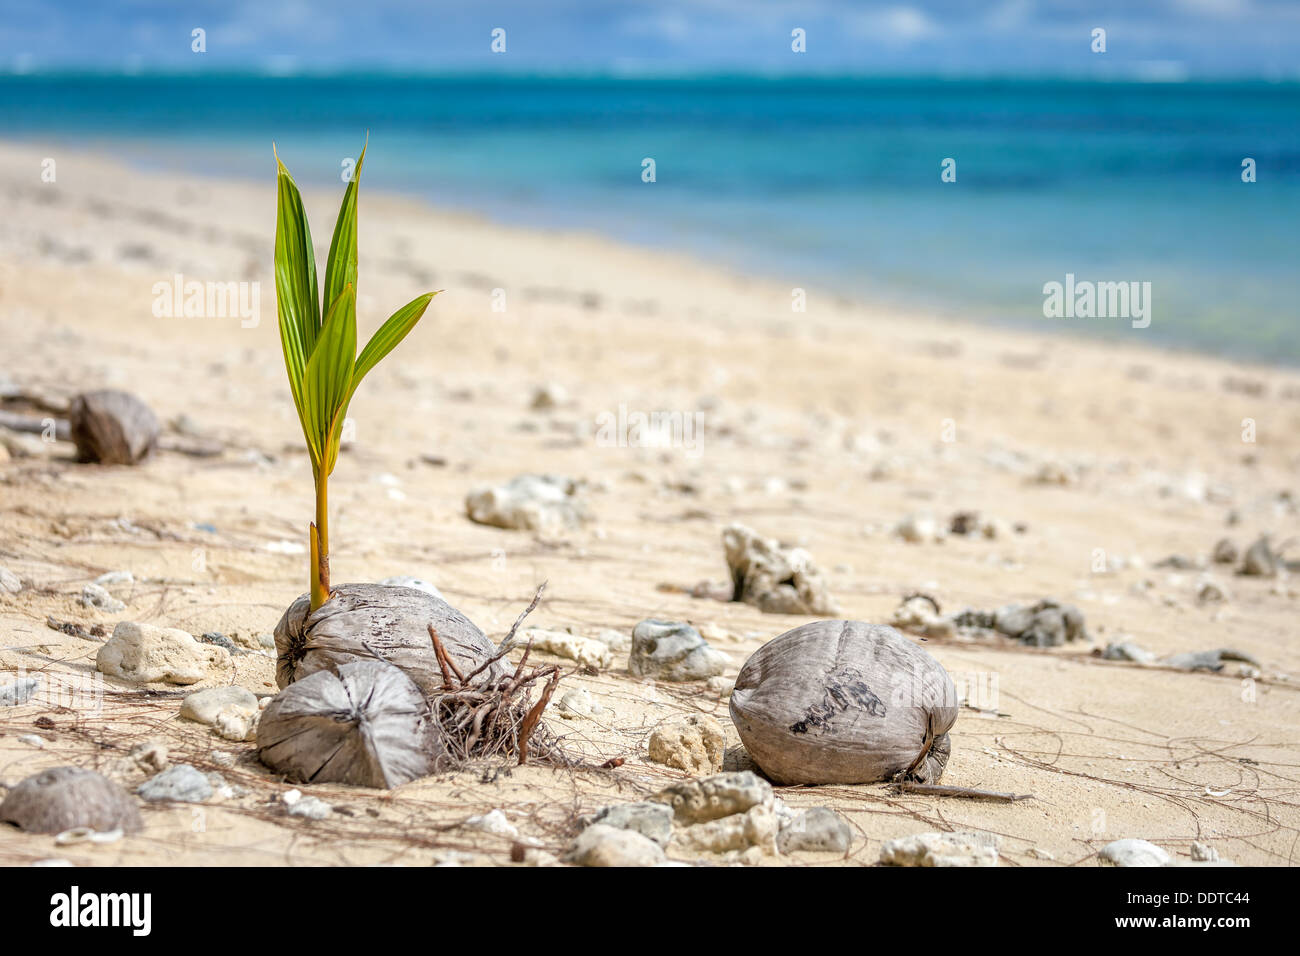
[{"x": 320, "y": 544}]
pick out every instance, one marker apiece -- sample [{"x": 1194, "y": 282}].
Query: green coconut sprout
[{"x": 319, "y": 336}]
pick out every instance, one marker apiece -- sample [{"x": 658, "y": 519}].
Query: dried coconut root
[{"x": 497, "y": 715}]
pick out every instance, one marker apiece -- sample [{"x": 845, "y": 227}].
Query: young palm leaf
[{"x": 321, "y": 356}]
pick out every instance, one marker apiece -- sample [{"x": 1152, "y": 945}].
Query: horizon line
[{"x": 1147, "y": 72}]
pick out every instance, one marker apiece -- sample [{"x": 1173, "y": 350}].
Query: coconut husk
[
  {"x": 379, "y": 622},
  {"x": 62, "y": 798},
  {"x": 844, "y": 702},
  {"x": 112, "y": 427},
  {"x": 368, "y": 725}
]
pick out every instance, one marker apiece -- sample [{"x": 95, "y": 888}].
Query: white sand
[{"x": 798, "y": 410}]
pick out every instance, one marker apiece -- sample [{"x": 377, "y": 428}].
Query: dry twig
[{"x": 941, "y": 790}]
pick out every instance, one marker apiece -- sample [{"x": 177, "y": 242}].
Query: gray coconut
[
  {"x": 844, "y": 702},
  {"x": 368, "y": 724},
  {"x": 65, "y": 797},
  {"x": 112, "y": 427},
  {"x": 378, "y": 622}
]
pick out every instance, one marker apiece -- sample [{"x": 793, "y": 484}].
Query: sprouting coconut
[{"x": 331, "y": 626}]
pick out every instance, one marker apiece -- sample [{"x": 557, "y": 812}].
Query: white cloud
[
  {"x": 1215, "y": 8},
  {"x": 895, "y": 25},
  {"x": 669, "y": 26},
  {"x": 1010, "y": 14}
]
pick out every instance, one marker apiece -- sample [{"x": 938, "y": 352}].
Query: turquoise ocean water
[{"x": 831, "y": 184}]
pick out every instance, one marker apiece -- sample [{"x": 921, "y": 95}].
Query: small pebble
[
  {"x": 493, "y": 821},
  {"x": 19, "y": 692},
  {"x": 87, "y": 835},
  {"x": 92, "y": 595},
  {"x": 181, "y": 783},
  {"x": 1134, "y": 853},
  {"x": 312, "y": 808},
  {"x": 9, "y": 581},
  {"x": 220, "y": 640}
]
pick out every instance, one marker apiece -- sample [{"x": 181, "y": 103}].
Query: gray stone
[
  {"x": 584, "y": 650},
  {"x": 1134, "y": 853},
  {"x": 1045, "y": 624},
  {"x": 205, "y": 705},
  {"x": 773, "y": 578},
  {"x": 10, "y": 582},
  {"x": 962, "y": 848},
  {"x": 92, "y": 595},
  {"x": 920, "y": 529},
  {"x": 757, "y": 827},
  {"x": 1210, "y": 591},
  {"x": 548, "y": 396},
  {"x": 144, "y": 653},
  {"x": 19, "y": 692},
  {"x": 652, "y": 820},
  {"x": 544, "y": 503},
  {"x": 217, "y": 639},
  {"x": 673, "y": 651},
  {"x": 1260, "y": 560},
  {"x": 1209, "y": 660},
  {"x": 312, "y": 808},
  {"x": 236, "y": 724},
  {"x": 919, "y": 614},
  {"x": 690, "y": 742},
  {"x": 149, "y": 756},
  {"x": 1127, "y": 651},
  {"x": 1225, "y": 552},
  {"x": 720, "y": 686},
  {"x": 601, "y": 845},
  {"x": 614, "y": 640},
  {"x": 819, "y": 830},
  {"x": 179, "y": 782},
  {"x": 494, "y": 821},
  {"x": 710, "y": 798},
  {"x": 576, "y": 703}
]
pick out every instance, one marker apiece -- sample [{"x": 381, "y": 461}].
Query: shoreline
[{"x": 944, "y": 315}]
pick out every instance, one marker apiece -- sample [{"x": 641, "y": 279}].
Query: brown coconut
[
  {"x": 368, "y": 724},
  {"x": 378, "y": 622},
  {"x": 112, "y": 427},
  {"x": 844, "y": 702},
  {"x": 66, "y": 797}
]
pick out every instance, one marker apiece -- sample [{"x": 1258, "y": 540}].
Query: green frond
[
  {"x": 341, "y": 266},
  {"x": 328, "y": 381},
  {"x": 389, "y": 335},
  {"x": 295, "y": 289}
]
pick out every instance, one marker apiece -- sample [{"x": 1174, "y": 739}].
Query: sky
[{"x": 1162, "y": 39}]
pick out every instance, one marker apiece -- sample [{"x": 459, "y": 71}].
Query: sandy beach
[{"x": 824, "y": 428}]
